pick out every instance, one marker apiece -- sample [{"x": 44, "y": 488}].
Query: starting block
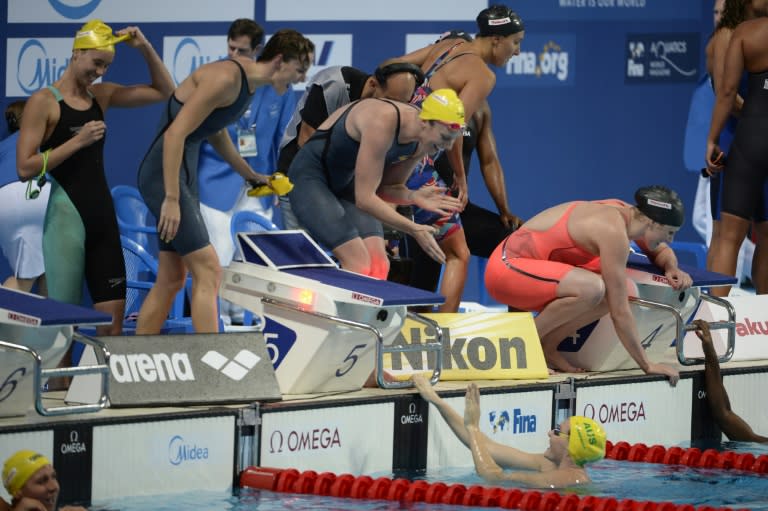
[
  {"x": 326, "y": 328},
  {"x": 661, "y": 314},
  {"x": 35, "y": 333}
]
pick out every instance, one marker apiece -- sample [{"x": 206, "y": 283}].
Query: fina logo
[
  {"x": 180, "y": 452},
  {"x": 35, "y": 69},
  {"x": 77, "y": 11},
  {"x": 516, "y": 424}
]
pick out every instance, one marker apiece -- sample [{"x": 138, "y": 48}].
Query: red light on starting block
[{"x": 306, "y": 297}]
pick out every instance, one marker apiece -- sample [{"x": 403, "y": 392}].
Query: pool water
[{"x": 618, "y": 479}]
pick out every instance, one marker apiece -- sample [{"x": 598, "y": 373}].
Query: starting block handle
[
  {"x": 102, "y": 356},
  {"x": 435, "y": 347},
  {"x": 729, "y": 325},
  {"x": 681, "y": 329}
]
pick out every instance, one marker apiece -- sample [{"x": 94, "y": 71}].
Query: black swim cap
[
  {"x": 661, "y": 205},
  {"x": 498, "y": 20}
]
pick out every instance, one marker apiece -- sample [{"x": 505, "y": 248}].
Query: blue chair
[
  {"x": 697, "y": 250},
  {"x": 134, "y": 219},
  {"x": 248, "y": 221},
  {"x": 141, "y": 272}
]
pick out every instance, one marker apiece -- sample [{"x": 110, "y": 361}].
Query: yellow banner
[{"x": 476, "y": 346}]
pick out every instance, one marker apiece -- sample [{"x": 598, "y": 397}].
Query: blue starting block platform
[
  {"x": 326, "y": 328},
  {"x": 662, "y": 315},
  {"x": 35, "y": 333}
]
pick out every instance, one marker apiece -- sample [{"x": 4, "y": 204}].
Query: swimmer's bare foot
[{"x": 556, "y": 363}]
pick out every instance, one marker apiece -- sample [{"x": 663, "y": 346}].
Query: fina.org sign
[{"x": 183, "y": 54}]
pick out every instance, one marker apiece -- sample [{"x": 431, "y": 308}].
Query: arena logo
[
  {"x": 412, "y": 417},
  {"x": 480, "y": 353},
  {"x": 180, "y": 451},
  {"x": 143, "y": 367},
  {"x": 628, "y": 411},
  {"x": 749, "y": 327},
  {"x": 74, "y": 446},
  {"x": 312, "y": 440},
  {"x": 182, "y": 55},
  {"x": 553, "y": 64},
  {"x": 74, "y": 10},
  {"x": 518, "y": 423},
  {"x": 39, "y": 63}
]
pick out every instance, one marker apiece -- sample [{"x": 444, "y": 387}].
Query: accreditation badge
[{"x": 246, "y": 142}]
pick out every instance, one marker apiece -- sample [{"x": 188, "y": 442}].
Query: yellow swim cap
[
  {"x": 97, "y": 35},
  {"x": 443, "y": 105},
  {"x": 20, "y": 467},
  {"x": 586, "y": 442}
]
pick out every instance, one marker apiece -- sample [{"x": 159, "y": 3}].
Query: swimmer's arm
[
  {"x": 664, "y": 257},
  {"x": 222, "y": 144},
  {"x": 161, "y": 84},
  {"x": 490, "y": 166},
  {"x": 614, "y": 251},
  {"x": 726, "y": 94},
  {"x": 489, "y": 469},
  {"x": 369, "y": 169}
]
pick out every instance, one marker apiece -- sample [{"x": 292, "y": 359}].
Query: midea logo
[
  {"x": 236, "y": 368},
  {"x": 180, "y": 451}
]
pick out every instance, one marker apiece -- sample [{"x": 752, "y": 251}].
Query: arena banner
[
  {"x": 517, "y": 419},
  {"x": 751, "y": 328},
  {"x": 638, "y": 411},
  {"x": 135, "y": 11},
  {"x": 161, "y": 457},
  {"x": 151, "y": 370},
  {"x": 357, "y": 439},
  {"x": 353, "y": 10},
  {"x": 476, "y": 346}
]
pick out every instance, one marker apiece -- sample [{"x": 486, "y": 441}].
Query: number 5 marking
[{"x": 352, "y": 358}]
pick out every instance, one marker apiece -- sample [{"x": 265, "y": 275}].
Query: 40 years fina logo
[{"x": 74, "y": 9}]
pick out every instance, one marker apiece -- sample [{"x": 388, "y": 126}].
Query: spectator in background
[
  {"x": 31, "y": 481},
  {"x": 256, "y": 134},
  {"x": 23, "y": 214}
]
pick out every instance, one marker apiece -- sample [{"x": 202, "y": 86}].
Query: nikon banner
[{"x": 476, "y": 346}]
